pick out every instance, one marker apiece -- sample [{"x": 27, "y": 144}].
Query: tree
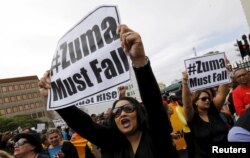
[{"x": 12, "y": 123}]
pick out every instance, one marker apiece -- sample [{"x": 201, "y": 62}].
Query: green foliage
[{"x": 12, "y": 123}]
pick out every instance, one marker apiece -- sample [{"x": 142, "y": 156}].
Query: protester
[
  {"x": 186, "y": 130},
  {"x": 44, "y": 140},
  {"x": 83, "y": 146},
  {"x": 65, "y": 135},
  {"x": 229, "y": 99},
  {"x": 241, "y": 130},
  {"x": 134, "y": 130},
  {"x": 4, "y": 138},
  {"x": 177, "y": 125},
  {"x": 241, "y": 94},
  {"x": 203, "y": 117},
  {"x": 59, "y": 148},
  {"x": 28, "y": 145}
]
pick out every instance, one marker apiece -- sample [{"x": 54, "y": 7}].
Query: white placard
[
  {"x": 89, "y": 62},
  {"x": 59, "y": 122},
  {"x": 40, "y": 127},
  {"x": 207, "y": 71}
]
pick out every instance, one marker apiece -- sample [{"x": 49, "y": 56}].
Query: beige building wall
[
  {"x": 246, "y": 8},
  {"x": 21, "y": 96}
]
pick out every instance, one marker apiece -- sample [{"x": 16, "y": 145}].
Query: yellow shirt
[{"x": 181, "y": 115}]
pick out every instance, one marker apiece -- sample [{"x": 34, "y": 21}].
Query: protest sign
[
  {"x": 40, "y": 127},
  {"x": 89, "y": 62},
  {"x": 207, "y": 71},
  {"x": 59, "y": 123}
]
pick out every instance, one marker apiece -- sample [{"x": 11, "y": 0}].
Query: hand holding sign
[
  {"x": 44, "y": 84},
  {"x": 184, "y": 77},
  {"x": 130, "y": 42}
]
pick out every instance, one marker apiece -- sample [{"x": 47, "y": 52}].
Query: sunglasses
[
  {"x": 204, "y": 98},
  {"x": 128, "y": 108},
  {"x": 21, "y": 142}
]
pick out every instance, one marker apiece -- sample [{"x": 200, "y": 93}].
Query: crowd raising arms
[{"x": 135, "y": 130}]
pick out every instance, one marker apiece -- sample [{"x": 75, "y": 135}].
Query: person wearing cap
[{"x": 28, "y": 145}]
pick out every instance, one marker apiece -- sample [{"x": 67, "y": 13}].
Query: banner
[
  {"x": 207, "y": 71},
  {"x": 59, "y": 122},
  {"x": 89, "y": 62}
]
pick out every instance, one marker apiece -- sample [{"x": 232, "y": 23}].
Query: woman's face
[
  {"x": 54, "y": 139},
  {"x": 203, "y": 101},
  {"x": 125, "y": 117},
  {"x": 22, "y": 147}
]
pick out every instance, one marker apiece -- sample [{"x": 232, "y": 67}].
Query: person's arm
[
  {"x": 69, "y": 150},
  {"x": 221, "y": 95},
  {"x": 186, "y": 98},
  {"x": 149, "y": 90},
  {"x": 79, "y": 120},
  {"x": 122, "y": 91},
  {"x": 148, "y": 87}
]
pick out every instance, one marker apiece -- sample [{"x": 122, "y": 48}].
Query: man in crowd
[{"x": 241, "y": 94}]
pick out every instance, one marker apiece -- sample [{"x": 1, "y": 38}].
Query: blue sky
[{"x": 170, "y": 29}]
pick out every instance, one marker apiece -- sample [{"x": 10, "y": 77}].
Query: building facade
[
  {"x": 21, "y": 96},
  {"x": 246, "y": 8}
]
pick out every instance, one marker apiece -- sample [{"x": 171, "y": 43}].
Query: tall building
[
  {"x": 21, "y": 96},
  {"x": 246, "y": 8}
]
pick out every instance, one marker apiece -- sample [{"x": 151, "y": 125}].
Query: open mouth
[{"x": 125, "y": 122}]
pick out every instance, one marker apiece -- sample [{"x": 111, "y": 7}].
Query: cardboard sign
[
  {"x": 89, "y": 62},
  {"x": 207, "y": 71}
]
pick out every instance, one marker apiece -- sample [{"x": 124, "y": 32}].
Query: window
[
  {"x": 19, "y": 97},
  {"x": 15, "y": 109},
  {"x": 22, "y": 86},
  {"x": 24, "y": 96},
  {"x": 13, "y": 98},
  {"x": 21, "y": 108},
  {"x": 11, "y": 88},
  {"x": 5, "y": 89},
  {"x": 37, "y": 104},
  {"x": 35, "y": 95},
  {"x": 33, "y": 85},
  {"x": 16, "y": 87},
  {"x": 9, "y": 110},
  {"x": 27, "y": 107},
  {"x": 27, "y": 85},
  {"x": 6, "y": 99},
  {"x": 33, "y": 105},
  {"x": 30, "y": 95},
  {"x": 40, "y": 114},
  {"x": 2, "y": 112},
  {"x": 1, "y": 100},
  {"x": 34, "y": 115}
]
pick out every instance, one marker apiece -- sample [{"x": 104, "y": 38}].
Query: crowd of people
[
  {"x": 144, "y": 129},
  {"x": 49, "y": 143}
]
